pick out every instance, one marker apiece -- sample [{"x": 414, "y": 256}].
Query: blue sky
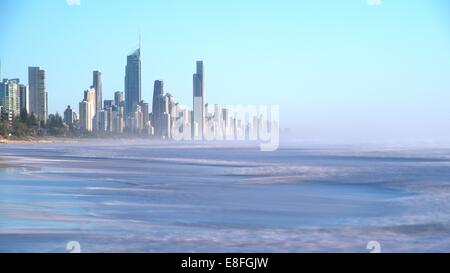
[{"x": 340, "y": 70}]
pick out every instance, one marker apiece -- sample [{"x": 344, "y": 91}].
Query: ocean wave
[{"x": 280, "y": 173}]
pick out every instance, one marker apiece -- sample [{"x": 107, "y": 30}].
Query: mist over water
[{"x": 137, "y": 196}]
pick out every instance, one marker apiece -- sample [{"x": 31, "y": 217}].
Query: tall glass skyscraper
[
  {"x": 132, "y": 82},
  {"x": 97, "y": 84},
  {"x": 38, "y": 93},
  {"x": 199, "y": 103},
  {"x": 158, "y": 93}
]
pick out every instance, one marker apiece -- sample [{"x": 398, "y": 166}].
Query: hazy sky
[{"x": 340, "y": 70}]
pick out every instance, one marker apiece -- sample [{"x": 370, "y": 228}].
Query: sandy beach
[{"x": 36, "y": 140}]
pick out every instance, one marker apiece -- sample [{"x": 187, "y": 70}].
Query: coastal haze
[{"x": 141, "y": 196}]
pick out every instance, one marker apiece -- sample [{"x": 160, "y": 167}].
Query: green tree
[
  {"x": 55, "y": 125},
  {"x": 23, "y": 116},
  {"x": 19, "y": 128},
  {"x": 4, "y": 126},
  {"x": 32, "y": 121},
  {"x": 4, "y": 131}
]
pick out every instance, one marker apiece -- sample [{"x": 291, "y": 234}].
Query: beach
[{"x": 141, "y": 196}]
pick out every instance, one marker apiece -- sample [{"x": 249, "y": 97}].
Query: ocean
[{"x": 142, "y": 196}]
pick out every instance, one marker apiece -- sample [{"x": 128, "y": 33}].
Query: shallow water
[{"x": 131, "y": 196}]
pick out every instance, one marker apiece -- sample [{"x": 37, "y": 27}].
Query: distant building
[
  {"x": 218, "y": 128},
  {"x": 158, "y": 93},
  {"x": 85, "y": 122},
  {"x": 101, "y": 121},
  {"x": 145, "y": 114},
  {"x": 165, "y": 126},
  {"x": 69, "y": 116},
  {"x": 75, "y": 117},
  {"x": 164, "y": 107},
  {"x": 132, "y": 82},
  {"x": 24, "y": 98},
  {"x": 227, "y": 126},
  {"x": 9, "y": 96},
  {"x": 38, "y": 100},
  {"x": 118, "y": 120},
  {"x": 87, "y": 110},
  {"x": 171, "y": 109},
  {"x": 170, "y": 105},
  {"x": 198, "y": 103},
  {"x": 98, "y": 86},
  {"x": 109, "y": 116},
  {"x": 138, "y": 119},
  {"x": 118, "y": 98},
  {"x": 108, "y": 103}
]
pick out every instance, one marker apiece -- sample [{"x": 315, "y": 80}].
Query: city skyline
[
  {"x": 371, "y": 65},
  {"x": 168, "y": 119}
]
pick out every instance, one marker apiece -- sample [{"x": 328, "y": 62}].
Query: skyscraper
[
  {"x": 9, "y": 96},
  {"x": 101, "y": 120},
  {"x": 158, "y": 93},
  {"x": 24, "y": 98},
  {"x": 137, "y": 120},
  {"x": 97, "y": 84},
  {"x": 199, "y": 103},
  {"x": 171, "y": 109},
  {"x": 165, "y": 126},
  {"x": 132, "y": 82},
  {"x": 84, "y": 116},
  {"x": 38, "y": 93},
  {"x": 117, "y": 120},
  {"x": 68, "y": 116},
  {"x": 87, "y": 110},
  {"x": 109, "y": 116},
  {"x": 145, "y": 114}
]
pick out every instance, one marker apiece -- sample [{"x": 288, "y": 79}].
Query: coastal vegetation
[{"x": 26, "y": 125}]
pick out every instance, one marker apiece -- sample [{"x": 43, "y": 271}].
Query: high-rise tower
[
  {"x": 87, "y": 110},
  {"x": 132, "y": 82},
  {"x": 97, "y": 84},
  {"x": 199, "y": 103},
  {"x": 158, "y": 93},
  {"x": 9, "y": 96},
  {"x": 38, "y": 93}
]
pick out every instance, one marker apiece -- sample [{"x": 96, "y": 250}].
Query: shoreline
[
  {"x": 35, "y": 140},
  {"x": 369, "y": 146},
  {"x": 51, "y": 140},
  {"x": 74, "y": 140}
]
